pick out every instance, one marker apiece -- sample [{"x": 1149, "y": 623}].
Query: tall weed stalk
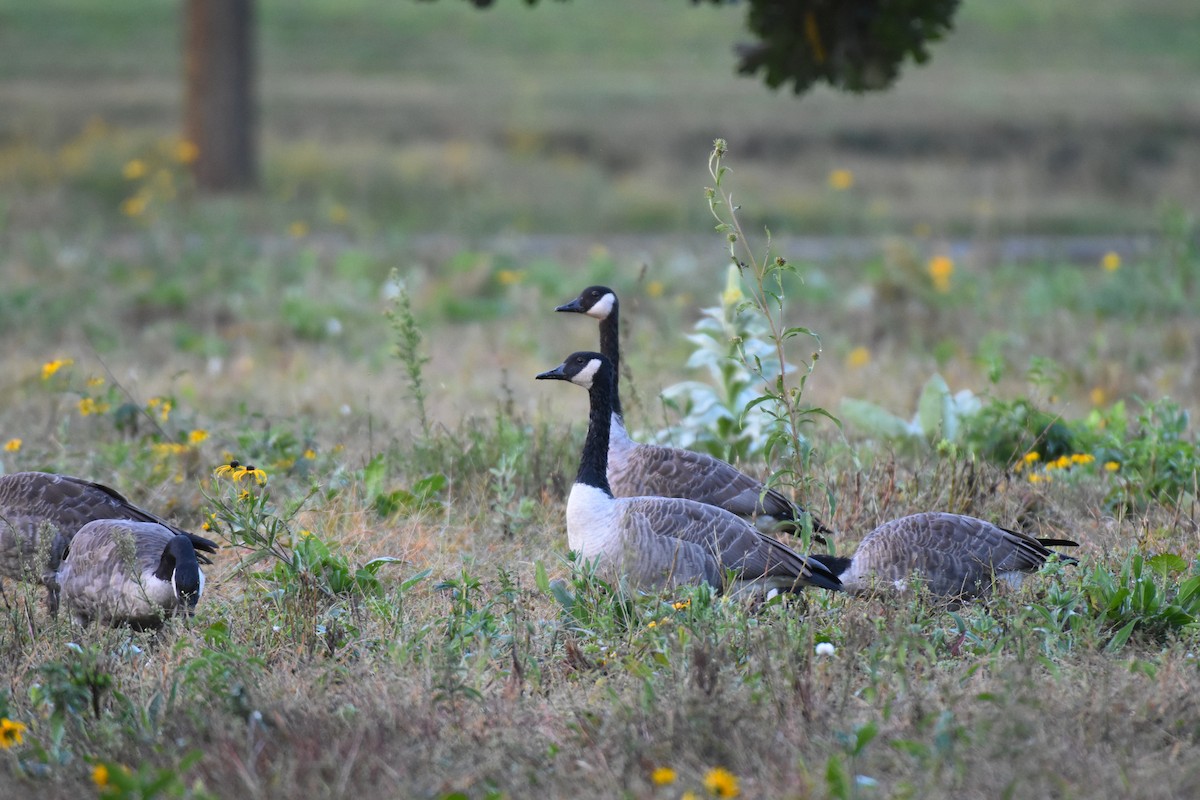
[{"x": 782, "y": 389}]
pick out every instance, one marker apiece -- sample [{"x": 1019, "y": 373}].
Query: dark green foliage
[
  {"x": 857, "y": 46},
  {"x": 1004, "y": 431}
]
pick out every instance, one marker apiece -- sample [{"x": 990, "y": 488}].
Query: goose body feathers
[
  {"x": 122, "y": 572},
  {"x": 39, "y": 514},
  {"x": 638, "y": 470},
  {"x": 664, "y": 541},
  {"x": 953, "y": 555}
]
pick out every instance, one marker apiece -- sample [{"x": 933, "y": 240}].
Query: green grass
[{"x": 460, "y": 670}]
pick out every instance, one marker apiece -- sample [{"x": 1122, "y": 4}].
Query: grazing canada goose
[
  {"x": 130, "y": 573},
  {"x": 663, "y": 541},
  {"x": 40, "y": 512},
  {"x": 640, "y": 470},
  {"x": 953, "y": 555}
]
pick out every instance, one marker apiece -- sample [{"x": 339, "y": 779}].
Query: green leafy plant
[
  {"x": 748, "y": 329},
  {"x": 718, "y": 416},
  {"x": 406, "y": 334},
  {"x": 1143, "y": 598},
  {"x": 940, "y": 416}
]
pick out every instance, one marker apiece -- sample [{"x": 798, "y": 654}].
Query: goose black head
[
  {"x": 180, "y": 566},
  {"x": 595, "y": 301},
  {"x": 579, "y": 368}
]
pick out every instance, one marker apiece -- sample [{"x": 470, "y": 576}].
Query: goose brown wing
[
  {"x": 652, "y": 470},
  {"x": 722, "y": 537},
  {"x": 953, "y": 553},
  {"x": 30, "y": 499}
]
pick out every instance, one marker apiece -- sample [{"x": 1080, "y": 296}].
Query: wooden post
[{"x": 220, "y": 116}]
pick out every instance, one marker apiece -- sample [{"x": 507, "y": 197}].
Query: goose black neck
[
  {"x": 610, "y": 347},
  {"x": 593, "y": 464},
  {"x": 179, "y": 563}
]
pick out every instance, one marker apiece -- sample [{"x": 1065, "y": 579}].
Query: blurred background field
[
  {"x": 502, "y": 159},
  {"x": 1071, "y": 117}
]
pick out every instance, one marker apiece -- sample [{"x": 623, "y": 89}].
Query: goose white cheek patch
[
  {"x": 587, "y": 374},
  {"x": 603, "y": 307}
]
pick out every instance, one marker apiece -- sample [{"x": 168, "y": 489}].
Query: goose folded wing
[
  {"x": 728, "y": 540},
  {"x": 673, "y": 472}
]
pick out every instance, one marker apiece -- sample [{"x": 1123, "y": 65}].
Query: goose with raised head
[
  {"x": 664, "y": 541},
  {"x": 39, "y": 514},
  {"x": 953, "y": 556},
  {"x": 638, "y": 470},
  {"x": 120, "y": 572}
]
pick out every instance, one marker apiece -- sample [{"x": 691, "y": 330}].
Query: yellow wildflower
[
  {"x": 1111, "y": 262},
  {"x": 249, "y": 471},
  {"x": 298, "y": 229},
  {"x": 679, "y": 605},
  {"x": 310, "y": 454},
  {"x": 227, "y": 469},
  {"x": 858, "y": 357},
  {"x": 841, "y": 179},
  {"x": 134, "y": 206},
  {"x": 655, "y": 289},
  {"x": 1038, "y": 478},
  {"x": 1083, "y": 459},
  {"x": 651, "y": 624},
  {"x": 162, "y": 405},
  {"x": 1032, "y": 456},
  {"x": 1111, "y": 466},
  {"x": 100, "y": 776},
  {"x": 688, "y": 795},
  {"x": 1099, "y": 396},
  {"x": 510, "y": 277},
  {"x": 11, "y": 732},
  {"x": 169, "y": 448},
  {"x": 197, "y": 436},
  {"x": 95, "y": 382},
  {"x": 51, "y": 367},
  {"x": 721, "y": 782},
  {"x": 12, "y": 445},
  {"x": 89, "y": 406},
  {"x": 134, "y": 169},
  {"x": 663, "y": 776},
  {"x": 940, "y": 269},
  {"x": 186, "y": 151}
]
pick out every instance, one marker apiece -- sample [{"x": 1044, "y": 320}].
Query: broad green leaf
[
  {"x": 873, "y": 419},
  {"x": 1165, "y": 564},
  {"x": 1122, "y": 636},
  {"x": 934, "y": 411}
]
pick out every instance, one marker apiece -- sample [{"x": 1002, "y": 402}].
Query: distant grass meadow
[{"x": 1001, "y": 261}]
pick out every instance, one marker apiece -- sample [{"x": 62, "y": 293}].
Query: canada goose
[
  {"x": 640, "y": 470},
  {"x": 658, "y": 541},
  {"x": 40, "y": 512},
  {"x": 135, "y": 573},
  {"x": 953, "y": 555}
]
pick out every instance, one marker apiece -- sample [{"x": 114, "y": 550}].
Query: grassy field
[
  {"x": 152, "y": 334},
  {"x": 1079, "y": 117}
]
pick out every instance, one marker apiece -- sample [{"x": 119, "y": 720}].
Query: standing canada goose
[
  {"x": 40, "y": 512},
  {"x": 664, "y": 541},
  {"x": 954, "y": 556},
  {"x": 639, "y": 470},
  {"x": 130, "y": 573}
]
